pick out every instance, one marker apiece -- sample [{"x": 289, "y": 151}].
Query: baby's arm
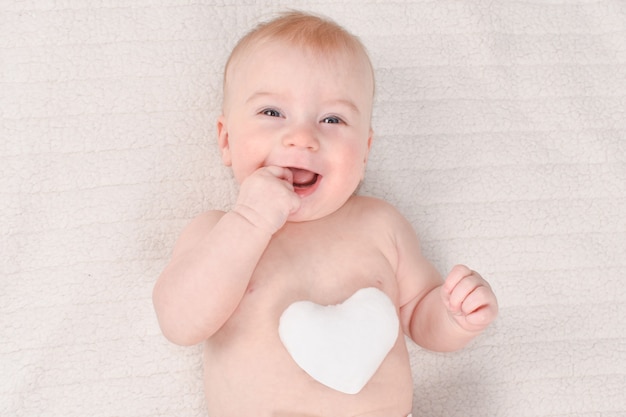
[
  {"x": 440, "y": 315},
  {"x": 214, "y": 258},
  {"x": 450, "y": 316}
]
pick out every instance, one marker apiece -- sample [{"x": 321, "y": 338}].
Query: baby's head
[
  {"x": 298, "y": 94},
  {"x": 304, "y": 31}
]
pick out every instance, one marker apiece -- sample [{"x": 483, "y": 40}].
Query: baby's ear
[
  {"x": 369, "y": 144},
  {"x": 222, "y": 140},
  {"x": 367, "y": 153}
]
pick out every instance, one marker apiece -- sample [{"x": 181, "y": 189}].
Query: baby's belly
[{"x": 248, "y": 371}]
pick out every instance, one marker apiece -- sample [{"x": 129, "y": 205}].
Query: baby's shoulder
[
  {"x": 378, "y": 210},
  {"x": 374, "y": 204}
]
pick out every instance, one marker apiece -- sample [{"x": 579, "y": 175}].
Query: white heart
[{"x": 341, "y": 345}]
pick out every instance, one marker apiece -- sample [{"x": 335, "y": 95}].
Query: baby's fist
[
  {"x": 266, "y": 198},
  {"x": 469, "y": 299}
]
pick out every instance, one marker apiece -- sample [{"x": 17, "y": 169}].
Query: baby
[{"x": 302, "y": 293}]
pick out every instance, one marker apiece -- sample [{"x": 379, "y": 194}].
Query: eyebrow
[
  {"x": 260, "y": 94},
  {"x": 344, "y": 102},
  {"x": 347, "y": 103}
]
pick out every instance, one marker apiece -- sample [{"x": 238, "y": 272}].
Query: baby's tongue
[{"x": 302, "y": 176}]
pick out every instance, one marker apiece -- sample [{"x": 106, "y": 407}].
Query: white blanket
[{"x": 500, "y": 134}]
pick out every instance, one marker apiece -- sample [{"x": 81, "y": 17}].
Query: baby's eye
[
  {"x": 331, "y": 120},
  {"x": 271, "y": 112}
]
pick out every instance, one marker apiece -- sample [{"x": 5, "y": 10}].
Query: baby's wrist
[{"x": 254, "y": 218}]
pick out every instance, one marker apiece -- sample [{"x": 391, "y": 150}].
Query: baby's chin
[
  {"x": 305, "y": 214},
  {"x": 311, "y": 211}
]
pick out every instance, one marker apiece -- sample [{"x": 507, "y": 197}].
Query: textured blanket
[{"x": 500, "y": 134}]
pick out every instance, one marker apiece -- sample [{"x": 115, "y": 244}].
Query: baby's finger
[
  {"x": 286, "y": 175},
  {"x": 282, "y": 173},
  {"x": 482, "y": 316},
  {"x": 476, "y": 300},
  {"x": 296, "y": 201},
  {"x": 460, "y": 293},
  {"x": 456, "y": 275}
]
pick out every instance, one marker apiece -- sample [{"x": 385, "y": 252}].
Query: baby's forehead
[
  {"x": 322, "y": 52},
  {"x": 249, "y": 55}
]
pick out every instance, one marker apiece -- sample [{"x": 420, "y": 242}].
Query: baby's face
[{"x": 289, "y": 107}]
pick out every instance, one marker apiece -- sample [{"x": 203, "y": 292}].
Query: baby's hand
[
  {"x": 266, "y": 198},
  {"x": 469, "y": 299}
]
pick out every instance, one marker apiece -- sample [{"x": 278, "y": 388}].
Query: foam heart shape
[{"x": 341, "y": 346}]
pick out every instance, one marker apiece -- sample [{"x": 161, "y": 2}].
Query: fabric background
[{"x": 500, "y": 134}]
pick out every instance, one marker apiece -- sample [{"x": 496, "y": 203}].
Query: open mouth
[{"x": 304, "y": 180}]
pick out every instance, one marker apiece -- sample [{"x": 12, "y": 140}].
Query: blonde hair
[{"x": 302, "y": 30}]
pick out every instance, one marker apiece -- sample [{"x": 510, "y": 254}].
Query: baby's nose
[{"x": 302, "y": 137}]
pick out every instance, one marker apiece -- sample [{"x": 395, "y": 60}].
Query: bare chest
[{"x": 324, "y": 266}]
